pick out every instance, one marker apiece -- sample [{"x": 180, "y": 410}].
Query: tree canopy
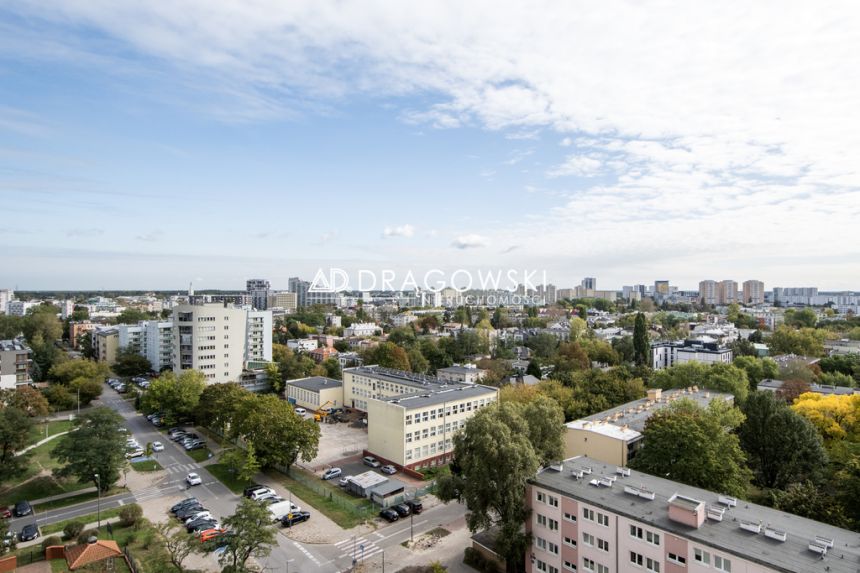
[
  {"x": 175, "y": 396},
  {"x": 93, "y": 447}
]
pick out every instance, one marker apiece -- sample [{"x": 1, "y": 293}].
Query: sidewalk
[
  {"x": 39, "y": 443},
  {"x": 65, "y": 495}
]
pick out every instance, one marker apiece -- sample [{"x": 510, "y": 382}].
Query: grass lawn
[
  {"x": 37, "y": 432},
  {"x": 225, "y": 476},
  {"x": 200, "y": 455},
  {"x": 342, "y": 508},
  {"x": 91, "y": 518},
  {"x": 39, "y": 488},
  {"x": 58, "y": 565},
  {"x": 67, "y": 501},
  {"x": 146, "y": 466}
]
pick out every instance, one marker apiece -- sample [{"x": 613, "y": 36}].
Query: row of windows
[
  {"x": 432, "y": 431},
  {"x": 428, "y": 450},
  {"x": 545, "y": 521},
  {"x": 649, "y": 536},
  {"x": 427, "y": 415},
  {"x": 591, "y": 515},
  {"x": 545, "y": 567},
  {"x": 547, "y": 499},
  {"x": 646, "y": 562},
  {"x": 592, "y": 541},
  {"x": 591, "y": 565},
  {"x": 720, "y": 563},
  {"x": 548, "y": 546},
  {"x": 211, "y": 347}
]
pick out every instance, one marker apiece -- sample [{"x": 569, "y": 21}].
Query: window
[
  {"x": 677, "y": 559},
  {"x": 553, "y": 525},
  {"x": 409, "y": 437},
  {"x": 540, "y": 543},
  {"x": 541, "y": 519},
  {"x": 540, "y": 565},
  {"x": 588, "y": 564},
  {"x": 541, "y": 496},
  {"x": 636, "y": 558},
  {"x": 603, "y": 519},
  {"x": 722, "y": 564},
  {"x": 602, "y": 568},
  {"x": 602, "y": 544},
  {"x": 652, "y": 538},
  {"x": 588, "y": 539},
  {"x": 552, "y": 548},
  {"x": 588, "y": 514},
  {"x": 570, "y": 517},
  {"x": 702, "y": 556},
  {"x": 552, "y": 501},
  {"x": 568, "y": 566},
  {"x": 570, "y": 542}
]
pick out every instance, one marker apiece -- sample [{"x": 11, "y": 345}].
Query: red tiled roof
[{"x": 82, "y": 555}]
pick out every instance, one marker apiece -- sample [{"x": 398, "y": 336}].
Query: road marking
[
  {"x": 307, "y": 553},
  {"x": 379, "y": 535},
  {"x": 361, "y": 548},
  {"x": 121, "y": 502}
]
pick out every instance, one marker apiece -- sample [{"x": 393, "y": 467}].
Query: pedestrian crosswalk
[
  {"x": 181, "y": 468},
  {"x": 358, "y": 548},
  {"x": 155, "y": 492}
]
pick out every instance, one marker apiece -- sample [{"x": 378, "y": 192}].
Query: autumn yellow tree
[{"x": 837, "y": 417}]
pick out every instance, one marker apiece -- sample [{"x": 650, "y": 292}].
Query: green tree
[
  {"x": 718, "y": 377},
  {"x": 493, "y": 459},
  {"x": 132, "y": 316},
  {"x": 93, "y": 447},
  {"x": 808, "y": 500},
  {"x": 250, "y": 465},
  {"x": 624, "y": 347},
  {"x": 641, "y": 343},
  {"x": 85, "y": 344},
  {"x": 578, "y": 328},
  {"x": 782, "y": 447},
  {"x": 273, "y": 375},
  {"x": 15, "y": 426},
  {"x": 534, "y": 369},
  {"x": 804, "y": 342},
  {"x": 65, "y": 372},
  {"x": 253, "y": 535},
  {"x": 280, "y": 435},
  {"x": 544, "y": 345},
  {"x": 86, "y": 388},
  {"x": 757, "y": 369},
  {"x": 693, "y": 445},
  {"x": 178, "y": 543},
  {"x": 27, "y": 399},
  {"x": 13, "y": 540},
  {"x": 417, "y": 361},
  {"x": 218, "y": 403},
  {"x": 176, "y": 396},
  {"x": 130, "y": 363},
  {"x": 805, "y": 318},
  {"x": 545, "y": 420},
  {"x": 388, "y": 355}
]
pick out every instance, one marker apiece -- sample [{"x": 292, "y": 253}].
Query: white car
[
  {"x": 198, "y": 515},
  {"x": 157, "y": 447},
  {"x": 390, "y": 470},
  {"x": 193, "y": 479},
  {"x": 261, "y": 493},
  {"x": 134, "y": 453},
  {"x": 331, "y": 473},
  {"x": 301, "y": 411},
  {"x": 345, "y": 480}
]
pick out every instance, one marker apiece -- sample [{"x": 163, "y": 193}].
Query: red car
[{"x": 5, "y": 512}]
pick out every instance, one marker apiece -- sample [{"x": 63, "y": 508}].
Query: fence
[{"x": 361, "y": 508}]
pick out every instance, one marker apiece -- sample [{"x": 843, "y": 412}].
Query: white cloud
[
  {"x": 470, "y": 241},
  {"x": 399, "y": 231}
]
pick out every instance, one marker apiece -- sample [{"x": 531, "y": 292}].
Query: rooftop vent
[
  {"x": 586, "y": 470},
  {"x": 777, "y": 534},
  {"x": 640, "y": 491},
  {"x": 823, "y": 541},
  {"x": 622, "y": 471},
  {"x": 752, "y": 526},
  {"x": 728, "y": 500},
  {"x": 715, "y": 513},
  {"x": 816, "y": 548}
]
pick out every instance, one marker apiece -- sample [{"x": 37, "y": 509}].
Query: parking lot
[{"x": 338, "y": 441}]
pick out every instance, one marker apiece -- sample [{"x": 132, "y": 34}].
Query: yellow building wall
[
  {"x": 385, "y": 424},
  {"x": 108, "y": 346},
  {"x": 313, "y": 400},
  {"x": 607, "y": 449}
]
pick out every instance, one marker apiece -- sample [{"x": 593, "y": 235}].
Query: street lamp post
[
  {"x": 99, "y": 502},
  {"x": 79, "y": 402}
]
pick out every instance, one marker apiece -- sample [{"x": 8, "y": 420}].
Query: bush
[
  {"x": 84, "y": 537},
  {"x": 130, "y": 514},
  {"x": 72, "y": 530},
  {"x": 49, "y": 541}
]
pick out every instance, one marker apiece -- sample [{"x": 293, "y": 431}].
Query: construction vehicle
[{"x": 323, "y": 411}]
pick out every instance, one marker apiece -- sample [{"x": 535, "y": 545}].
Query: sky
[{"x": 147, "y": 145}]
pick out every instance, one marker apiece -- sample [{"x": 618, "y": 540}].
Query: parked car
[
  {"x": 185, "y": 502},
  {"x": 178, "y": 437},
  {"x": 371, "y": 461},
  {"x": 279, "y": 510},
  {"x": 344, "y": 480},
  {"x": 389, "y": 469},
  {"x": 291, "y": 519},
  {"x": 196, "y": 445},
  {"x": 121, "y": 389},
  {"x": 252, "y": 488},
  {"x": 389, "y": 515},
  {"x": 22, "y": 508},
  {"x": 210, "y": 534},
  {"x": 202, "y": 524},
  {"x": 29, "y": 532},
  {"x": 402, "y": 509},
  {"x": 5, "y": 512},
  {"x": 136, "y": 453},
  {"x": 157, "y": 447},
  {"x": 271, "y": 500},
  {"x": 332, "y": 473},
  {"x": 184, "y": 513},
  {"x": 205, "y": 514},
  {"x": 269, "y": 497},
  {"x": 301, "y": 411},
  {"x": 415, "y": 505},
  {"x": 257, "y": 494},
  {"x": 193, "y": 479}
]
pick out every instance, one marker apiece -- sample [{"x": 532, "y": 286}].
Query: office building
[
  {"x": 615, "y": 435},
  {"x": 14, "y": 364},
  {"x": 589, "y": 516},
  {"x": 258, "y": 290},
  {"x": 105, "y": 344},
  {"x": 284, "y": 300},
  {"x": 753, "y": 292},
  {"x": 306, "y": 297},
  {"x": 412, "y": 418},
  {"x": 666, "y": 354}
]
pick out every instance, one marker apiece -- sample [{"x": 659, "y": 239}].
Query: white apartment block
[
  {"x": 302, "y": 344},
  {"x": 14, "y": 364},
  {"x": 214, "y": 339},
  {"x": 19, "y": 307},
  {"x": 6, "y": 295},
  {"x": 592, "y": 517},
  {"x": 403, "y": 319},
  {"x": 412, "y": 418},
  {"x": 361, "y": 329},
  {"x": 67, "y": 307},
  {"x": 666, "y": 354},
  {"x": 753, "y": 292},
  {"x": 708, "y": 292},
  {"x": 158, "y": 337}
]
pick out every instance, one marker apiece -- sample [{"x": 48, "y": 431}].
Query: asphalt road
[{"x": 288, "y": 555}]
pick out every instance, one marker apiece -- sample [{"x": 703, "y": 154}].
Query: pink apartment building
[{"x": 591, "y": 517}]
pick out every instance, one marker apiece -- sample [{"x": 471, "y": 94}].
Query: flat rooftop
[
  {"x": 457, "y": 369},
  {"x": 398, "y": 376},
  {"x": 315, "y": 383},
  {"x": 447, "y": 393},
  {"x": 634, "y": 414},
  {"x": 791, "y": 556},
  {"x": 13, "y": 346}
]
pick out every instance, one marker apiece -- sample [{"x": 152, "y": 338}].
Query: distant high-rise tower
[
  {"x": 753, "y": 292},
  {"x": 589, "y": 283},
  {"x": 258, "y": 289},
  {"x": 708, "y": 292},
  {"x": 190, "y": 290}
]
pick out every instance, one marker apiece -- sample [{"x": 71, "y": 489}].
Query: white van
[{"x": 279, "y": 510}]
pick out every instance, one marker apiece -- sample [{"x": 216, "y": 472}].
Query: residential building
[
  {"x": 259, "y": 341},
  {"x": 302, "y": 344},
  {"x": 19, "y": 307},
  {"x": 6, "y": 295},
  {"x": 727, "y": 292},
  {"x": 76, "y": 329},
  {"x": 753, "y": 292},
  {"x": 794, "y": 295},
  {"x": 306, "y": 297},
  {"x": 615, "y": 435},
  {"x": 403, "y": 319},
  {"x": 210, "y": 338},
  {"x": 589, "y": 516},
  {"x": 708, "y": 292},
  {"x": 551, "y": 294},
  {"x": 158, "y": 349},
  {"x": 323, "y": 353},
  {"x": 258, "y": 290},
  {"x": 106, "y": 345},
  {"x": 233, "y": 299},
  {"x": 313, "y": 392},
  {"x": 467, "y": 373},
  {"x": 132, "y": 337},
  {"x": 589, "y": 283},
  {"x": 666, "y": 354},
  {"x": 412, "y": 418},
  {"x": 67, "y": 307},
  {"x": 361, "y": 329},
  {"x": 14, "y": 364},
  {"x": 284, "y": 300}
]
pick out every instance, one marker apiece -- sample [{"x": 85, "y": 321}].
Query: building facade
[
  {"x": 258, "y": 290},
  {"x": 753, "y": 292},
  {"x": 210, "y": 338},
  {"x": 727, "y": 292},
  {"x": 106, "y": 345},
  {"x": 14, "y": 364},
  {"x": 315, "y": 392},
  {"x": 591, "y": 517},
  {"x": 284, "y": 300},
  {"x": 666, "y": 354},
  {"x": 469, "y": 374},
  {"x": 259, "y": 343},
  {"x": 6, "y": 295},
  {"x": 708, "y": 292}
]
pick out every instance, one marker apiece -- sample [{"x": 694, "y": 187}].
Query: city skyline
[{"x": 149, "y": 146}]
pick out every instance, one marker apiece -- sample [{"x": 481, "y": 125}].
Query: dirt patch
[{"x": 428, "y": 541}]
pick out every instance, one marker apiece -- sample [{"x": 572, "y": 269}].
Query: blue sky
[{"x": 147, "y": 146}]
